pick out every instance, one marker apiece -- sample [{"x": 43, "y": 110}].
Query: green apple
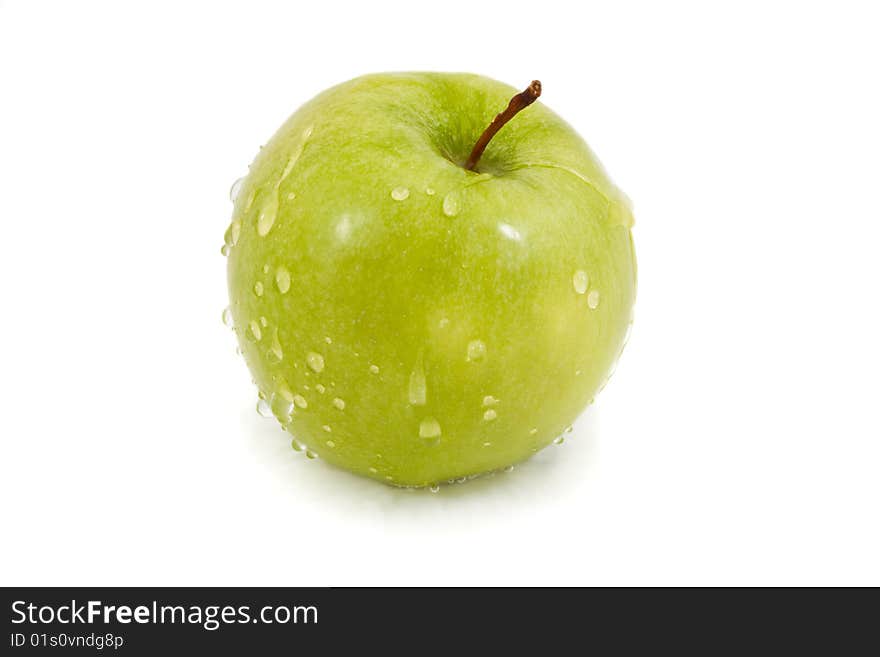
[{"x": 410, "y": 319}]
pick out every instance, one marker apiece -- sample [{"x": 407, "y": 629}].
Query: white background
[{"x": 738, "y": 443}]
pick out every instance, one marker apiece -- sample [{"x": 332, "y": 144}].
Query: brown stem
[{"x": 517, "y": 103}]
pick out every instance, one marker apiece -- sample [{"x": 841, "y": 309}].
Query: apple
[{"x": 421, "y": 298}]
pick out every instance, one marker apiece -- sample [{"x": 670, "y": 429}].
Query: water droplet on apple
[
  {"x": 429, "y": 429},
  {"x": 266, "y": 268},
  {"x": 476, "y": 351},
  {"x": 315, "y": 361},
  {"x": 320, "y": 388},
  {"x": 490, "y": 415},
  {"x": 429, "y": 191},
  {"x": 489, "y": 400},
  {"x": 276, "y": 353},
  {"x": 487, "y": 444},
  {"x": 327, "y": 428},
  {"x": 330, "y": 444},
  {"x": 250, "y": 199},
  {"x": 264, "y": 322},
  {"x": 374, "y": 470},
  {"x": 580, "y": 280},
  {"x": 281, "y": 409},
  {"x": 258, "y": 289},
  {"x": 593, "y": 299},
  {"x": 285, "y": 392},
  {"x": 451, "y": 204},
  {"x": 533, "y": 432},
  {"x": 328, "y": 340},
  {"x": 224, "y": 250},
  {"x": 263, "y": 408},
  {"x": 568, "y": 429},
  {"x": 300, "y": 401},
  {"x": 282, "y": 279},
  {"x": 235, "y": 189},
  {"x": 508, "y": 469},
  {"x": 227, "y": 317},
  {"x": 310, "y": 454},
  {"x": 230, "y": 237},
  {"x": 291, "y": 196},
  {"x": 267, "y": 214},
  {"x": 296, "y": 445},
  {"x": 418, "y": 387},
  {"x": 400, "y": 193},
  {"x": 510, "y": 232},
  {"x": 339, "y": 403},
  {"x": 374, "y": 369},
  {"x": 253, "y": 332},
  {"x": 444, "y": 322},
  {"x": 559, "y": 440},
  {"x": 434, "y": 488}
]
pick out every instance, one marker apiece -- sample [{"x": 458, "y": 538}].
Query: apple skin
[{"x": 365, "y": 260}]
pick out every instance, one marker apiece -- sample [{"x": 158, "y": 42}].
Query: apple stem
[{"x": 517, "y": 104}]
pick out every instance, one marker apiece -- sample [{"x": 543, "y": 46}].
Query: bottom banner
[{"x": 138, "y": 621}]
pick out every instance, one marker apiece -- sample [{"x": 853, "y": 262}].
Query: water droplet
[
  {"x": 281, "y": 408},
  {"x": 374, "y": 470},
  {"x": 580, "y": 280},
  {"x": 508, "y": 469},
  {"x": 291, "y": 196},
  {"x": 227, "y": 316},
  {"x": 276, "y": 353},
  {"x": 315, "y": 361},
  {"x": 487, "y": 444},
  {"x": 300, "y": 401},
  {"x": 429, "y": 191},
  {"x": 533, "y": 432},
  {"x": 320, "y": 388},
  {"x": 510, "y": 232},
  {"x": 282, "y": 279},
  {"x": 434, "y": 488},
  {"x": 230, "y": 237},
  {"x": 285, "y": 392},
  {"x": 418, "y": 388},
  {"x": 374, "y": 369},
  {"x": 253, "y": 332},
  {"x": 263, "y": 408},
  {"x": 476, "y": 350},
  {"x": 400, "y": 193},
  {"x": 593, "y": 299},
  {"x": 224, "y": 250},
  {"x": 489, "y": 400},
  {"x": 267, "y": 214},
  {"x": 250, "y": 199},
  {"x": 258, "y": 289},
  {"x": 310, "y": 454},
  {"x": 291, "y": 162},
  {"x": 568, "y": 429},
  {"x": 328, "y": 340},
  {"x": 339, "y": 403},
  {"x": 559, "y": 440},
  {"x": 577, "y": 372},
  {"x": 429, "y": 429},
  {"x": 451, "y": 204},
  {"x": 296, "y": 445},
  {"x": 444, "y": 322},
  {"x": 264, "y": 322},
  {"x": 266, "y": 268},
  {"x": 327, "y": 428},
  {"x": 235, "y": 189},
  {"x": 490, "y": 415}
]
